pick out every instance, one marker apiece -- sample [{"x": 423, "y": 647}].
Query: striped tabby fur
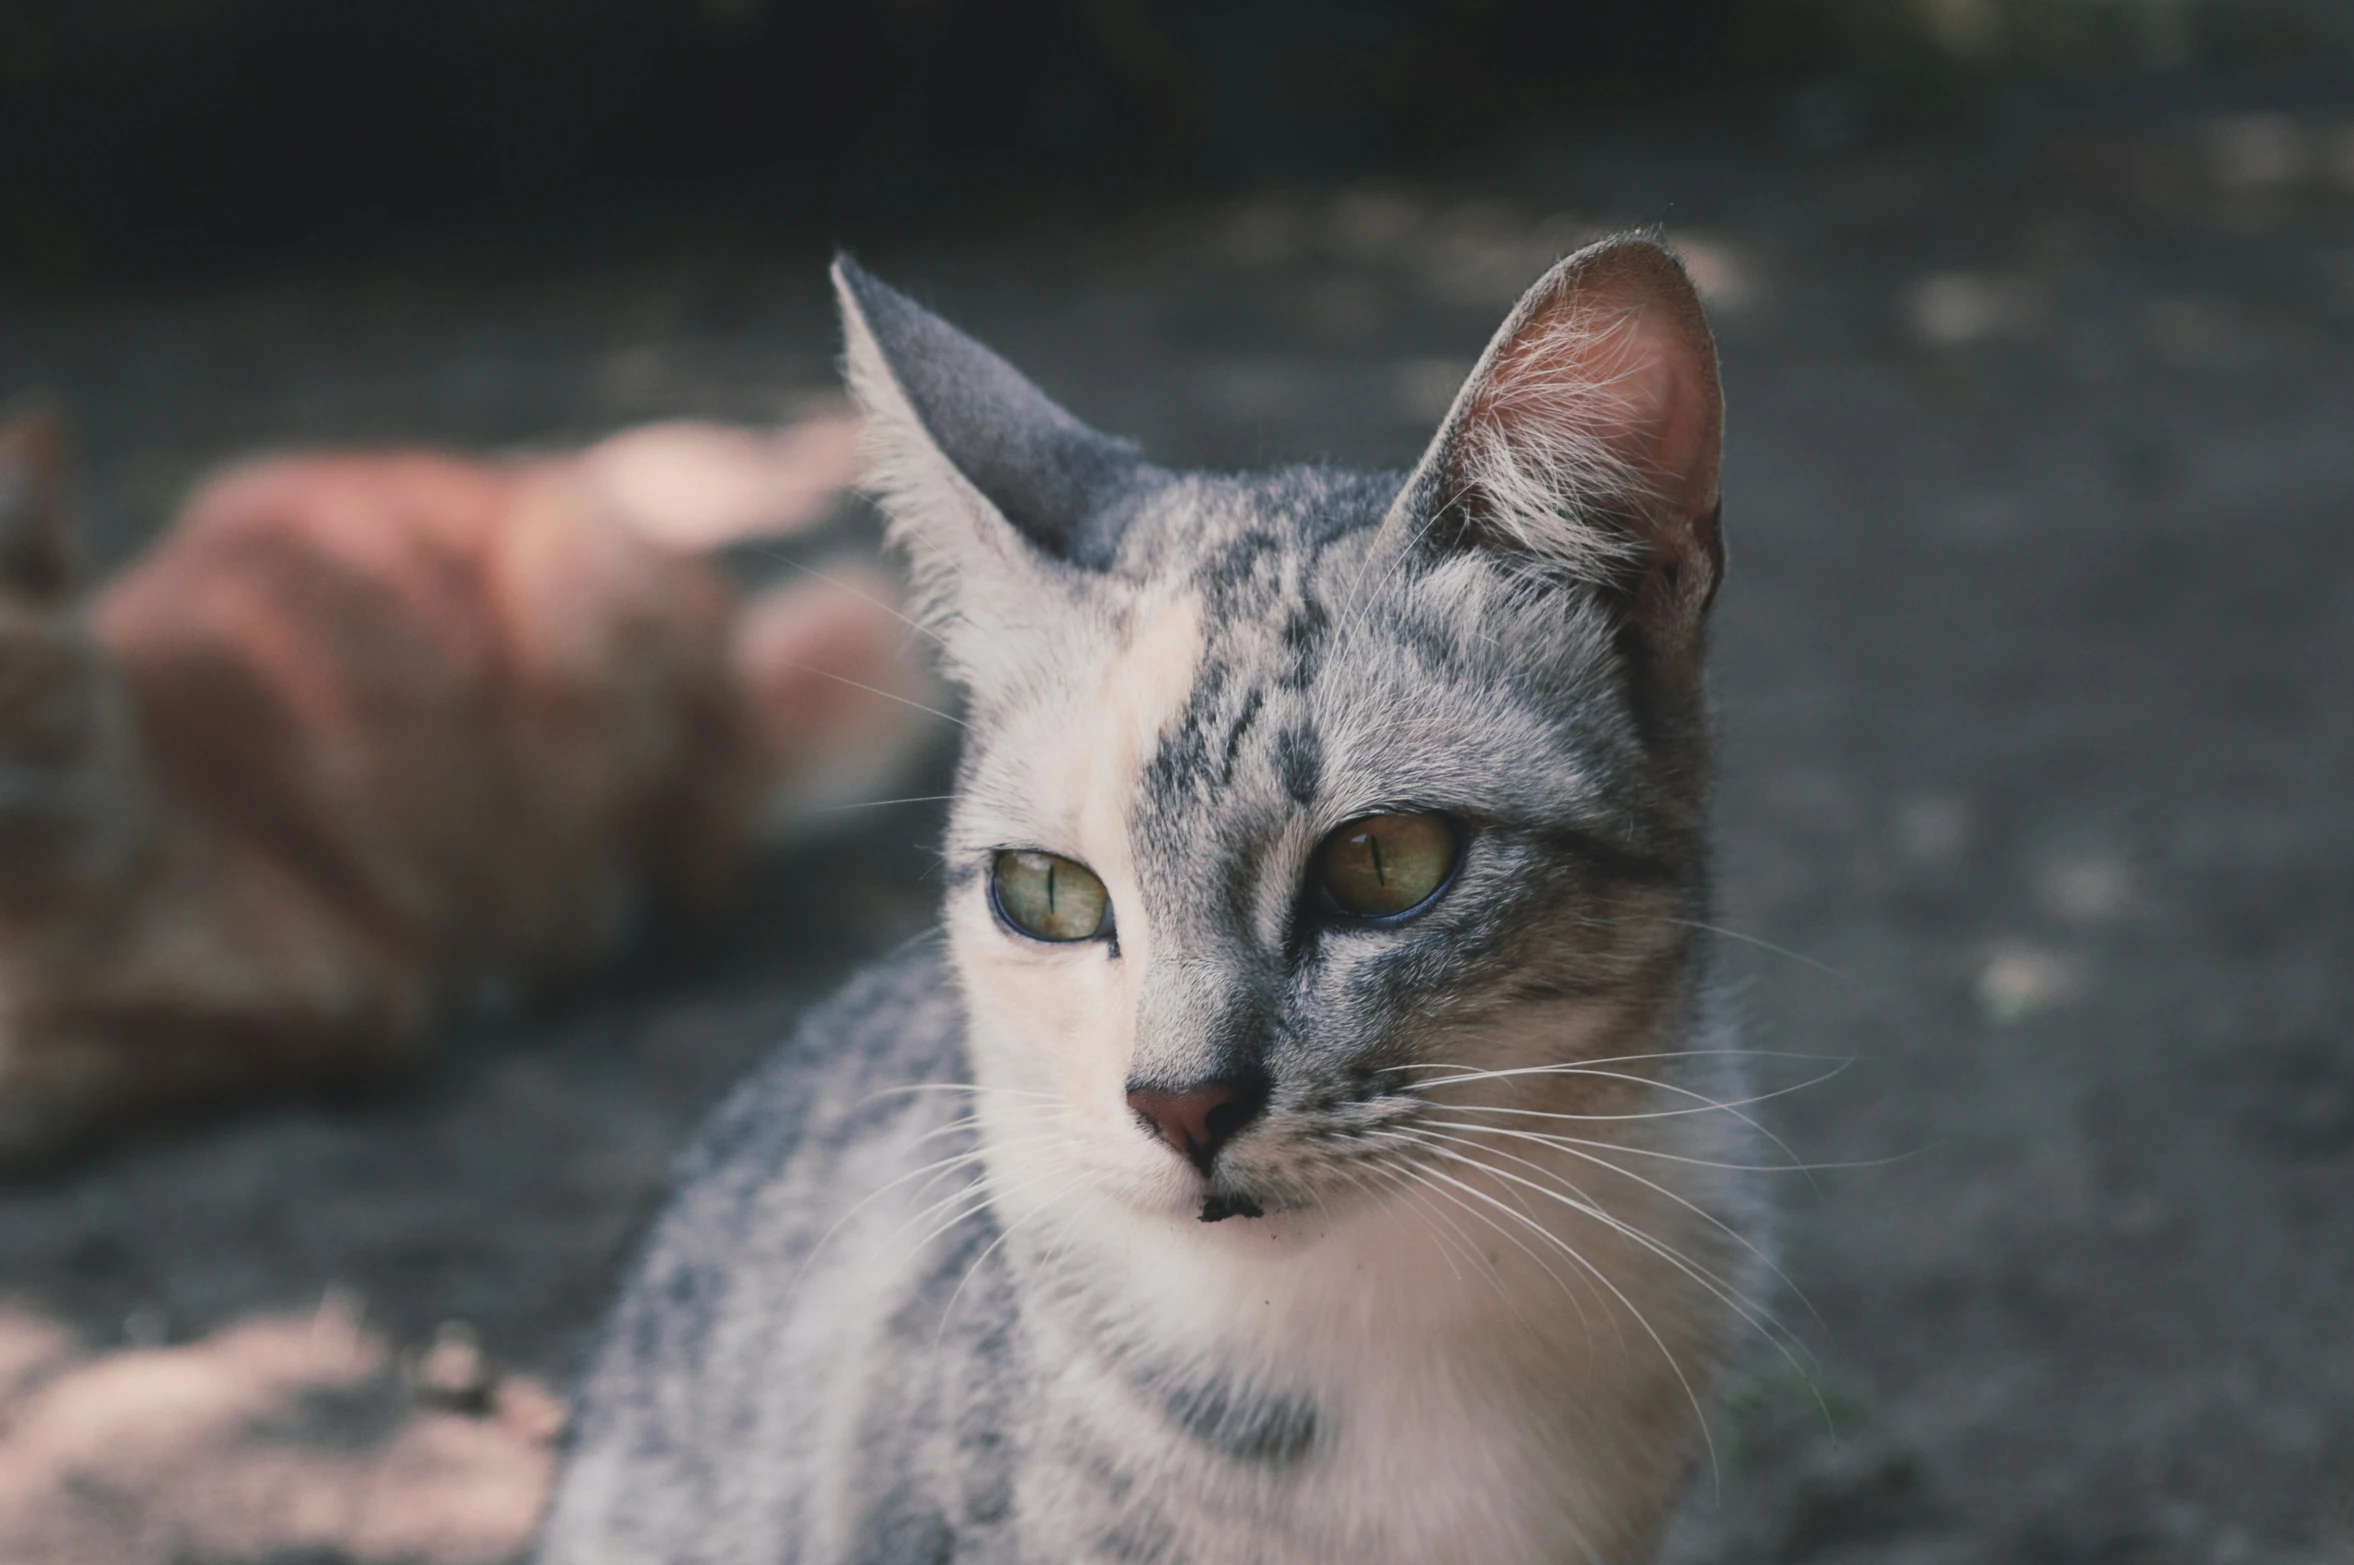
[{"x": 929, "y": 1290}]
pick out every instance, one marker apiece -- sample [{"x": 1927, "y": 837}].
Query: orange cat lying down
[{"x": 367, "y": 734}]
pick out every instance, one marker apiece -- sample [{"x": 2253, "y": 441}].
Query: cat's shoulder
[
  {"x": 750, "y": 1196},
  {"x": 896, "y": 1024}
]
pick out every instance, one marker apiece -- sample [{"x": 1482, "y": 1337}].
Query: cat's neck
[{"x": 1468, "y": 1368}]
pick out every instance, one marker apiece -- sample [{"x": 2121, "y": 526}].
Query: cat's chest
[
  {"x": 1365, "y": 1436},
  {"x": 1421, "y": 1466}
]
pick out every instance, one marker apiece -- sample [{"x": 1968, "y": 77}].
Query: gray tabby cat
[{"x": 1313, "y": 1137}]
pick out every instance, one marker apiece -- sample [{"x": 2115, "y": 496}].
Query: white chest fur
[{"x": 1499, "y": 1391}]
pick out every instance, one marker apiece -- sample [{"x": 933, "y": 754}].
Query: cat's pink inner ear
[
  {"x": 1609, "y": 386},
  {"x": 1590, "y": 440}
]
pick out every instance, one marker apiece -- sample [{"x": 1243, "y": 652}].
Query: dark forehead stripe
[
  {"x": 1238, "y": 571},
  {"x": 1306, "y": 630},
  {"x": 1192, "y": 753},
  {"x": 1299, "y": 762},
  {"x": 1243, "y": 586},
  {"x": 1252, "y": 705},
  {"x": 1260, "y": 576},
  {"x": 1176, "y": 815},
  {"x": 1433, "y": 640},
  {"x": 1191, "y": 772}
]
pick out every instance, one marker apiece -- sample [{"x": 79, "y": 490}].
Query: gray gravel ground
[{"x": 2034, "y": 668}]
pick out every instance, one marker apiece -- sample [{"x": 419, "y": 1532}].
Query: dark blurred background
[
  {"x": 158, "y": 134},
  {"x": 2037, "y": 320}
]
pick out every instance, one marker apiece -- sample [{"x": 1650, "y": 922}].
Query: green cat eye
[
  {"x": 1385, "y": 864},
  {"x": 1048, "y": 897}
]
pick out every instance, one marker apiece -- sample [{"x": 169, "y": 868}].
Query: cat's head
[
  {"x": 57, "y": 699},
  {"x": 1295, "y": 803}
]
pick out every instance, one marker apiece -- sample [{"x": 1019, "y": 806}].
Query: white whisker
[
  {"x": 1637, "y": 1059},
  {"x": 770, "y": 551},
  {"x": 876, "y": 804},
  {"x": 1005, "y": 1231},
  {"x": 1799, "y": 957},
  {"x": 1758, "y": 1316},
  {"x": 1425, "y": 1174},
  {"x": 1703, "y": 1104},
  {"x": 1674, "y": 1364},
  {"x": 1750, "y": 1310},
  {"x": 937, "y": 1170},
  {"x": 874, "y": 690}
]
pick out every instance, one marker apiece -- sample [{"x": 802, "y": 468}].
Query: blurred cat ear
[
  {"x": 39, "y": 553},
  {"x": 980, "y": 472},
  {"x": 1588, "y": 440}
]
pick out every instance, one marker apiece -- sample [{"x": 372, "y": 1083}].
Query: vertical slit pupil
[
  {"x": 1374, "y": 843},
  {"x": 1050, "y": 886}
]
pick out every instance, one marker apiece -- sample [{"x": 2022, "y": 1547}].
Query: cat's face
[{"x": 1292, "y": 803}]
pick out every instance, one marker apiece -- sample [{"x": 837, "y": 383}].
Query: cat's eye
[
  {"x": 1382, "y": 865},
  {"x": 1049, "y": 897}
]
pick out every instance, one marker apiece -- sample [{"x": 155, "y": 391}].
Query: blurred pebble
[
  {"x": 1969, "y": 30},
  {"x": 2087, "y": 890},
  {"x": 1956, "y": 309},
  {"x": 2021, "y": 981},
  {"x": 146, "y": 1326},
  {"x": 454, "y": 1372},
  {"x": 1373, "y": 222},
  {"x": 2254, "y": 151},
  {"x": 1726, "y": 278},
  {"x": 1934, "y": 828}
]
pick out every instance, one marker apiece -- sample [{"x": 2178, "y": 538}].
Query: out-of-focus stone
[
  {"x": 2087, "y": 890},
  {"x": 2254, "y": 151},
  {"x": 1957, "y": 309},
  {"x": 2018, "y": 982},
  {"x": 453, "y": 1371}
]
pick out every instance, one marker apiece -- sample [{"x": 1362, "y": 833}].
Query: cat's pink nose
[{"x": 1196, "y": 1120}]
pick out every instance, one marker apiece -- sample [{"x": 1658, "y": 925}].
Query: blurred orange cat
[{"x": 364, "y": 734}]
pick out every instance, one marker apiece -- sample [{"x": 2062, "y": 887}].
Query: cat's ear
[
  {"x": 1588, "y": 440},
  {"x": 40, "y": 555},
  {"x": 982, "y": 474}
]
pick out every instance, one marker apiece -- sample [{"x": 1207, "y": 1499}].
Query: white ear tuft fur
[
  {"x": 1587, "y": 440},
  {"x": 949, "y": 531},
  {"x": 1540, "y": 451}
]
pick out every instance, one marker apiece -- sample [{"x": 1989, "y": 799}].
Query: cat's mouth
[
  {"x": 1219, "y": 1205},
  {"x": 1292, "y": 1174}
]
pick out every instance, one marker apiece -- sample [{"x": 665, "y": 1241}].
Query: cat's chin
[{"x": 1280, "y": 1206}]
